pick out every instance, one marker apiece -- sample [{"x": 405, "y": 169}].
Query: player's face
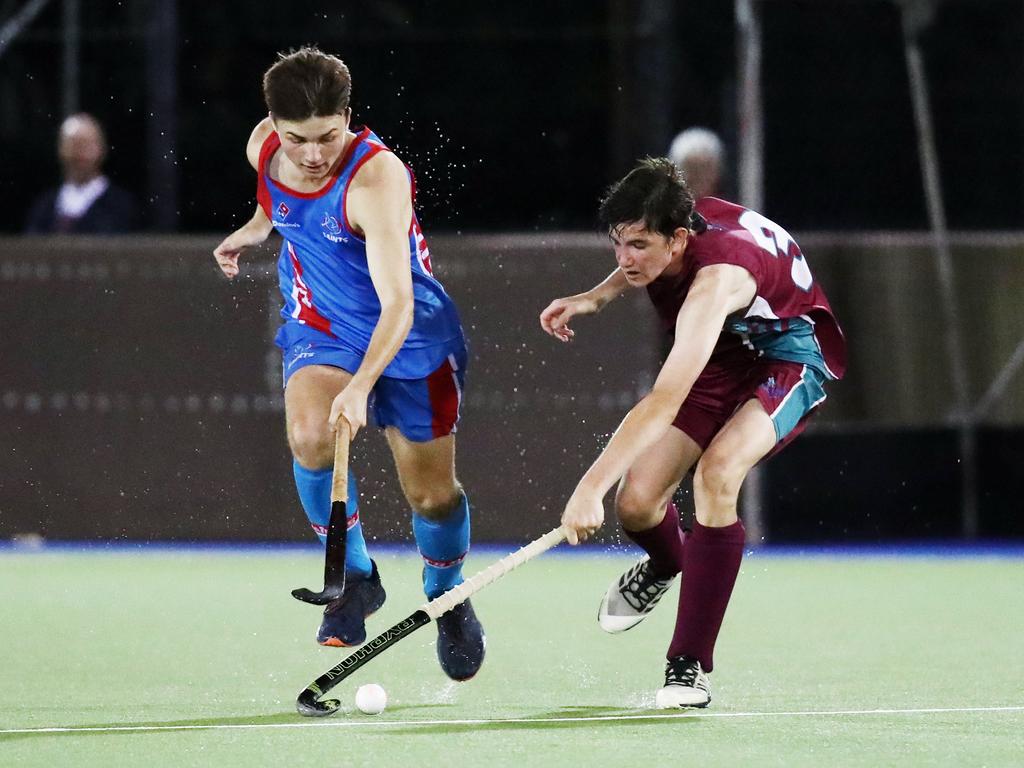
[
  {"x": 643, "y": 256},
  {"x": 315, "y": 144}
]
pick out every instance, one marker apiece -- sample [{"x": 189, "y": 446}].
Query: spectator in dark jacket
[{"x": 87, "y": 202}]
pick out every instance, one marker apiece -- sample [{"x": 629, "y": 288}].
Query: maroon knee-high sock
[
  {"x": 663, "y": 542},
  {"x": 711, "y": 560}
]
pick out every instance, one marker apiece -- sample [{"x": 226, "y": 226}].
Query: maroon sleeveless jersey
[{"x": 789, "y": 319}]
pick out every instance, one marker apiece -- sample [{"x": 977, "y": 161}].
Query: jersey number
[{"x": 778, "y": 242}]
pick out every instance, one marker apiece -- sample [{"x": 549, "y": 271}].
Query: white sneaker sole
[
  {"x": 616, "y": 624},
  {"x": 679, "y": 697}
]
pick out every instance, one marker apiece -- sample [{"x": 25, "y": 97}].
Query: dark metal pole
[
  {"x": 17, "y": 23},
  {"x": 750, "y": 107},
  {"x": 72, "y": 47},
  {"x": 643, "y": 52},
  {"x": 916, "y": 15},
  {"x": 619, "y": 84},
  {"x": 654, "y": 65},
  {"x": 162, "y": 124}
]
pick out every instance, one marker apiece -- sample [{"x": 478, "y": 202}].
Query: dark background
[
  {"x": 515, "y": 116},
  {"x": 140, "y": 398},
  {"x": 133, "y": 377}
]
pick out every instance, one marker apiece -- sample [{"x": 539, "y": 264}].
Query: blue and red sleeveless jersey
[
  {"x": 790, "y": 317},
  {"x": 323, "y": 272}
]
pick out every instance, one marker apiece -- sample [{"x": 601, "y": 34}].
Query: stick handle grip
[
  {"x": 441, "y": 605},
  {"x": 342, "y": 440}
]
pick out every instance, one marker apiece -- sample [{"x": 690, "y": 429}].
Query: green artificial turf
[{"x": 190, "y": 643}]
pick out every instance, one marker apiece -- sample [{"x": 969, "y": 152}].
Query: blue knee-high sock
[
  {"x": 314, "y": 486},
  {"x": 443, "y": 545}
]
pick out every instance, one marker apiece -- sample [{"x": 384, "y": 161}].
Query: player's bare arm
[
  {"x": 717, "y": 291},
  {"x": 258, "y": 228},
  {"x": 380, "y": 206},
  {"x": 555, "y": 317},
  {"x": 253, "y": 232}
]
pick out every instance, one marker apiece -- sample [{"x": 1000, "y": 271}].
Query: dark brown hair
[
  {"x": 307, "y": 83},
  {"x": 655, "y": 193}
]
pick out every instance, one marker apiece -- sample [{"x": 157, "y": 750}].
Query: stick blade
[
  {"x": 308, "y": 706},
  {"x": 318, "y": 598}
]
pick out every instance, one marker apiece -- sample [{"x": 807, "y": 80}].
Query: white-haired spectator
[
  {"x": 87, "y": 202},
  {"x": 700, "y": 155}
]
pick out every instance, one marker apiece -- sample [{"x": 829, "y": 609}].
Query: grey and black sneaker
[
  {"x": 631, "y": 597},
  {"x": 686, "y": 685},
  {"x": 344, "y": 622}
]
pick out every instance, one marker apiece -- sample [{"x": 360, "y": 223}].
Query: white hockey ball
[{"x": 371, "y": 699}]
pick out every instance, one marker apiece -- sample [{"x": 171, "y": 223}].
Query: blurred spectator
[
  {"x": 87, "y": 202},
  {"x": 700, "y": 155}
]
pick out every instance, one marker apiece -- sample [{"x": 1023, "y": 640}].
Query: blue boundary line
[
  {"x": 994, "y": 549},
  {"x": 999, "y": 549}
]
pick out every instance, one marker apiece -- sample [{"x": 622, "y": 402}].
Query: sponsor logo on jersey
[
  {"x": 301, "y": 356},
  {"x": 331, "y": 229},
  {"x": 283, "y": 210},
  {"x": 772, "y": 389}
]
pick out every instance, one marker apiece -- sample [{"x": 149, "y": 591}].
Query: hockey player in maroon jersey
[{"x": 754, "y": 342}]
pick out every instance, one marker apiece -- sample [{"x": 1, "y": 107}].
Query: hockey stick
[
  {"x": 337, "y": 528},
  {"x": 308, "y": 702}
]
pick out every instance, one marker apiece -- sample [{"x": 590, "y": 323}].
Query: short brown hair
[
  {"x": 307, "y": 83},
  {"x": 655, "y": 193}
]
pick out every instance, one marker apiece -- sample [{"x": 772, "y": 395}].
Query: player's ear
[{"x": 680, "y": 238}]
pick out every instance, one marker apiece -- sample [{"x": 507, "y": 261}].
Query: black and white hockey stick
[
  {"x": 337, "y": 528},
  {"x": 308, "y": 702}
]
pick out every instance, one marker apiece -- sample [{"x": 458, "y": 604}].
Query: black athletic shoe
[
  {"x": 631, "y": 597},
  {"x": 344, "y": 622},
  {"x": 460, "y": 642},
  {"x": 686, "y": 684}
]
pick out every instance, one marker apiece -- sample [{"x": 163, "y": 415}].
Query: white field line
[{"x": 364, "y": 723}]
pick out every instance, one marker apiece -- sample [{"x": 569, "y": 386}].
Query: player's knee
[
  {"x": 311, "y": 444},
  {"x": 636, "y": 510},
  {"x": 433, "y": 502},
  {"x": 717, "y": 479}
]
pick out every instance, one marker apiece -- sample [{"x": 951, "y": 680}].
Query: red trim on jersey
[
  {"x": 270, "y": 145},
  {"x": 307, "y": 313},
  {"x": 444, "y": 399},
  {"x": 415, "y": 231},
  {"x": 362, "y": 161},
  {"x": 363, "y": 135},
  {"x": 412, "y": 183},
  {"x": 335, "y": 175}
]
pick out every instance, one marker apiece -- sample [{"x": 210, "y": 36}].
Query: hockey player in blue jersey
[{"x": 365, "y": 322}]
